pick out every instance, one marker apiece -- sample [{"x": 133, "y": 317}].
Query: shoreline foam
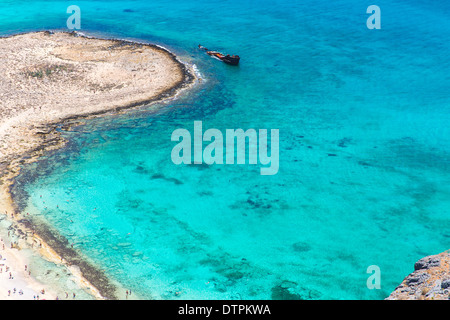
[{"x": 36, "y": 139}]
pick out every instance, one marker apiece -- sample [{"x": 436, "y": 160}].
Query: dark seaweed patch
[
  {"x": 61, "y": 246},
  {"x": 280, "y": 293},
  {"x": 163, "y": 177},
  {"x": 343, "y": 143},
  {"x": 301, "y": 247}
]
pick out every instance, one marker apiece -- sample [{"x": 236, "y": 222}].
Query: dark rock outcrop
[{"x": 429, "y": 281}]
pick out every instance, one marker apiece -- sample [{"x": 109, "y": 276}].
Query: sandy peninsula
[{"x": 50, "y": 79}]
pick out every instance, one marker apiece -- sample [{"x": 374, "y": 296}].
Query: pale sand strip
[
  {"x": 50, "y": 78},
  {"x": 15, "y": 281},
  {"x": 15, "y": 266}
]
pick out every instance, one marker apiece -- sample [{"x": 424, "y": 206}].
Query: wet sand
[{"x": 52, "y": 80}]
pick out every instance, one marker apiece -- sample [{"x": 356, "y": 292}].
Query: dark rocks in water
[
  {"x": 363, "y": 163},
  {"x": 253, "y": 203},
  {"x": 343, "y": 143},
  {"x": 140, "y": 169},
  {"x": 234, "y": 275},
  {"x": 289, "y": 290},
  {"x": 158, "y": 176},
  {"x": 427, "y": 263},
  {"x": 134, "y": 203},
  {"x": 175, "y": 180},
  {"x": 301, "y": 247},
  {"x": 161, "y": 176},
  {"x": 211, "y": 261},
  {"x": 200, "y": 166},
  {"x": 332, "y": 155},
  {"x": 220, "y": 287},
  {"x": 283, "y": 293}
]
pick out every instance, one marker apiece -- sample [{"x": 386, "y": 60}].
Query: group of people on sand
[
  {"x": 4, "y": 268},
  {"x": 15, "y": 245},
  {"x": 14, "y": 291}
]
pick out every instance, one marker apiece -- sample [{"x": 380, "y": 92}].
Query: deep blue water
[{"x": 364, "y": 150}]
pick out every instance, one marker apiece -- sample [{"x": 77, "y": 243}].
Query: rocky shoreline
[{"x": 429, "y": 281}]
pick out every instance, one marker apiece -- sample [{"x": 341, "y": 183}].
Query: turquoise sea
[{"x": 364, "y": 175}]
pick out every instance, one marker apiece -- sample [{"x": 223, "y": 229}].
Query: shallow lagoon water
[{"x": 364, "y": 151}]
